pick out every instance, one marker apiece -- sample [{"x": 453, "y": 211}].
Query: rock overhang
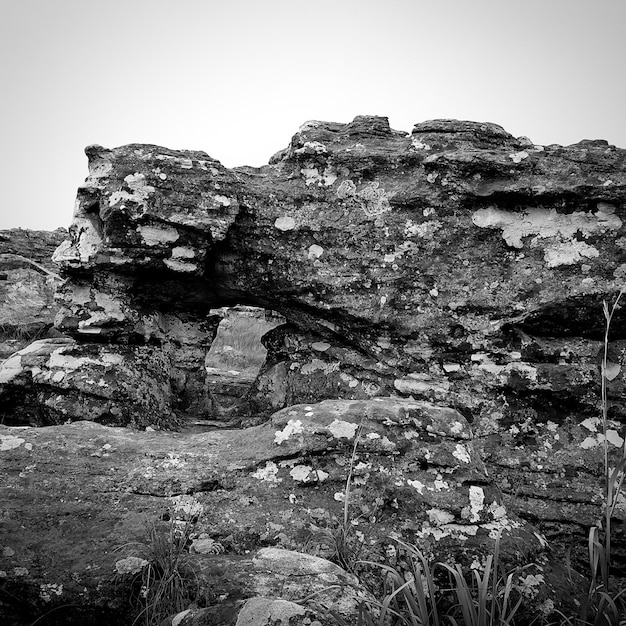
[{"x": 394, "y": 248}]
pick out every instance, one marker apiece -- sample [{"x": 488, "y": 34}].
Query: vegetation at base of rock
[
  {"x": 601, "y": 606},
  {"x": 413, "y": 594},
  {"x": 419, "y": 592},
  {"x": 341, "y": 539},
  {"x": 166, "y": 583}
]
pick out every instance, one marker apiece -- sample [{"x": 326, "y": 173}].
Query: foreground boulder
[{"x": 79, "y": 501}]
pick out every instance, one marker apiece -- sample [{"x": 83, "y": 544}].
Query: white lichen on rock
[
  {"x": 312, "y": 147},
  {"x": 320, "y": 346},
  {"x": 314, "y": 252},
  {"x": 47, "y": 590},
  {"x": 562, "y": 229},
  {"x": 461, "y": 453},
  {"x": 312, "y": 176},
  {"x": 157, "y": 235},
  {"x": 268, "y": 474},
  {"x": 183, "y": 252},
  {"x": 316, "y": 365},
  {"x": 476, "y": 502},
  {"x": 180, "y": 266},
  {"x": 285, "y": 223},
  {"x": 306, "y": 474},
  {"x": 373, "y": 200},
  {"x": 612, "y": 436},
  {"x": 139, "y": 190},
  {"x": 10, "y": 442},
  {"x": 439, "y": 517},
  {"x": 343, "y": 430},
  {"x": 518, "y": 157},
  {"x": 293, "y": 427},
  {"x": 417, "y": 485},
  {"x": 347, "y": 189}
]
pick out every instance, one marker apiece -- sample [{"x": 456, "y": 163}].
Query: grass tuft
[{"x": 167, "y": 582}]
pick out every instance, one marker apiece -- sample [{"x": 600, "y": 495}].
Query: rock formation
[
  {"x": 447, "y": 283},
  {"x": 28, "y": 279}
]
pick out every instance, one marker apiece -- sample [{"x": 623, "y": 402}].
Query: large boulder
[
  {"x": 263, "y": 507},
  {"x": 457, "y": 273},
  {"x": 52, "y": 381},
  {"x": 456, "y": 262}
]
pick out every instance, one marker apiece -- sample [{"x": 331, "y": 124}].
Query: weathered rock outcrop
[
  {"x": 458, "y": 268},
  {"x": 431, "y": 257},
  {"x": 28, "y": 279}
]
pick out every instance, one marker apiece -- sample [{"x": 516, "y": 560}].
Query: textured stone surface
[
  {"x": 55, "y": 380},
  {"x": 77, "y": 498},
  {"x": 28, "y": 279},
  {"x": 457, "y": 268},
  {"x": 425, "y": 261}
]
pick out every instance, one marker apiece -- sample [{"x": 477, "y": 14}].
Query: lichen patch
[
  {"x": 518, "y": 157},
  {"x": 285, "y": 223},
  {"x": 461, "y": 453},
  {"x": 293, "y": 427},
  {"x": 439, "y": 517},
  {"x": 268, "y": 474},
  {"x": 314, "y": 252},
  {"x": 10, "y": 442},
  {"x": 417, "y": 485},
  {"x": 476, "y": 502},
  {"x": 157, "y": 235},
  {"x": 312, "y": 176},
  {"x": 179, "y": 265},
  {"x": 306, "y": 474},
  {"x": 540, "y": 223},
  {"x": 343, "y": 430}
]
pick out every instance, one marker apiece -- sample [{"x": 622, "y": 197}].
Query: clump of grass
[
  {"x": 489, "y": 598},
  {"x": 341, "y": 540},
  {"x": 417, "y": 594},
  {"x": 166, "y": 583}
]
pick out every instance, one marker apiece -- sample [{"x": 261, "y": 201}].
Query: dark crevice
[
  {"x": 571, "y": 500},
  {"x": 208, "y": 486},
  {"x": 578, "y": 316},
  {"x": 521, "y": 200}
]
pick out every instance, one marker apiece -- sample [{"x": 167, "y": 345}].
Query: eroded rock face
[
  {"x": 55, "y": 380},
  {"x": 457, "y": 268},
  {"x": 28, "y": 280},
  {"x": 424, "y": 261}
]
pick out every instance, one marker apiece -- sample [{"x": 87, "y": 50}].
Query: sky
[{"x": 236, "y": 78}]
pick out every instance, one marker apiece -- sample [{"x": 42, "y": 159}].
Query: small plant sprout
[{"x": 600, "y": 605}]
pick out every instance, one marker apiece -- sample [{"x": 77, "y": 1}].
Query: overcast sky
[{"x": 236, "y": 78}]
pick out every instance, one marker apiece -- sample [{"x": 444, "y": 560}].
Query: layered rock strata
[
  {"x": 28, "y": 280},
  {"x": 456, "y": 266}
]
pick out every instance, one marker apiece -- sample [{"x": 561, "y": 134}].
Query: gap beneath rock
[{"x": 233, "y": 362}]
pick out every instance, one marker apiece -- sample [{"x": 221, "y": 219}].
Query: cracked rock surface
[{"x": 443, "y": 294}]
